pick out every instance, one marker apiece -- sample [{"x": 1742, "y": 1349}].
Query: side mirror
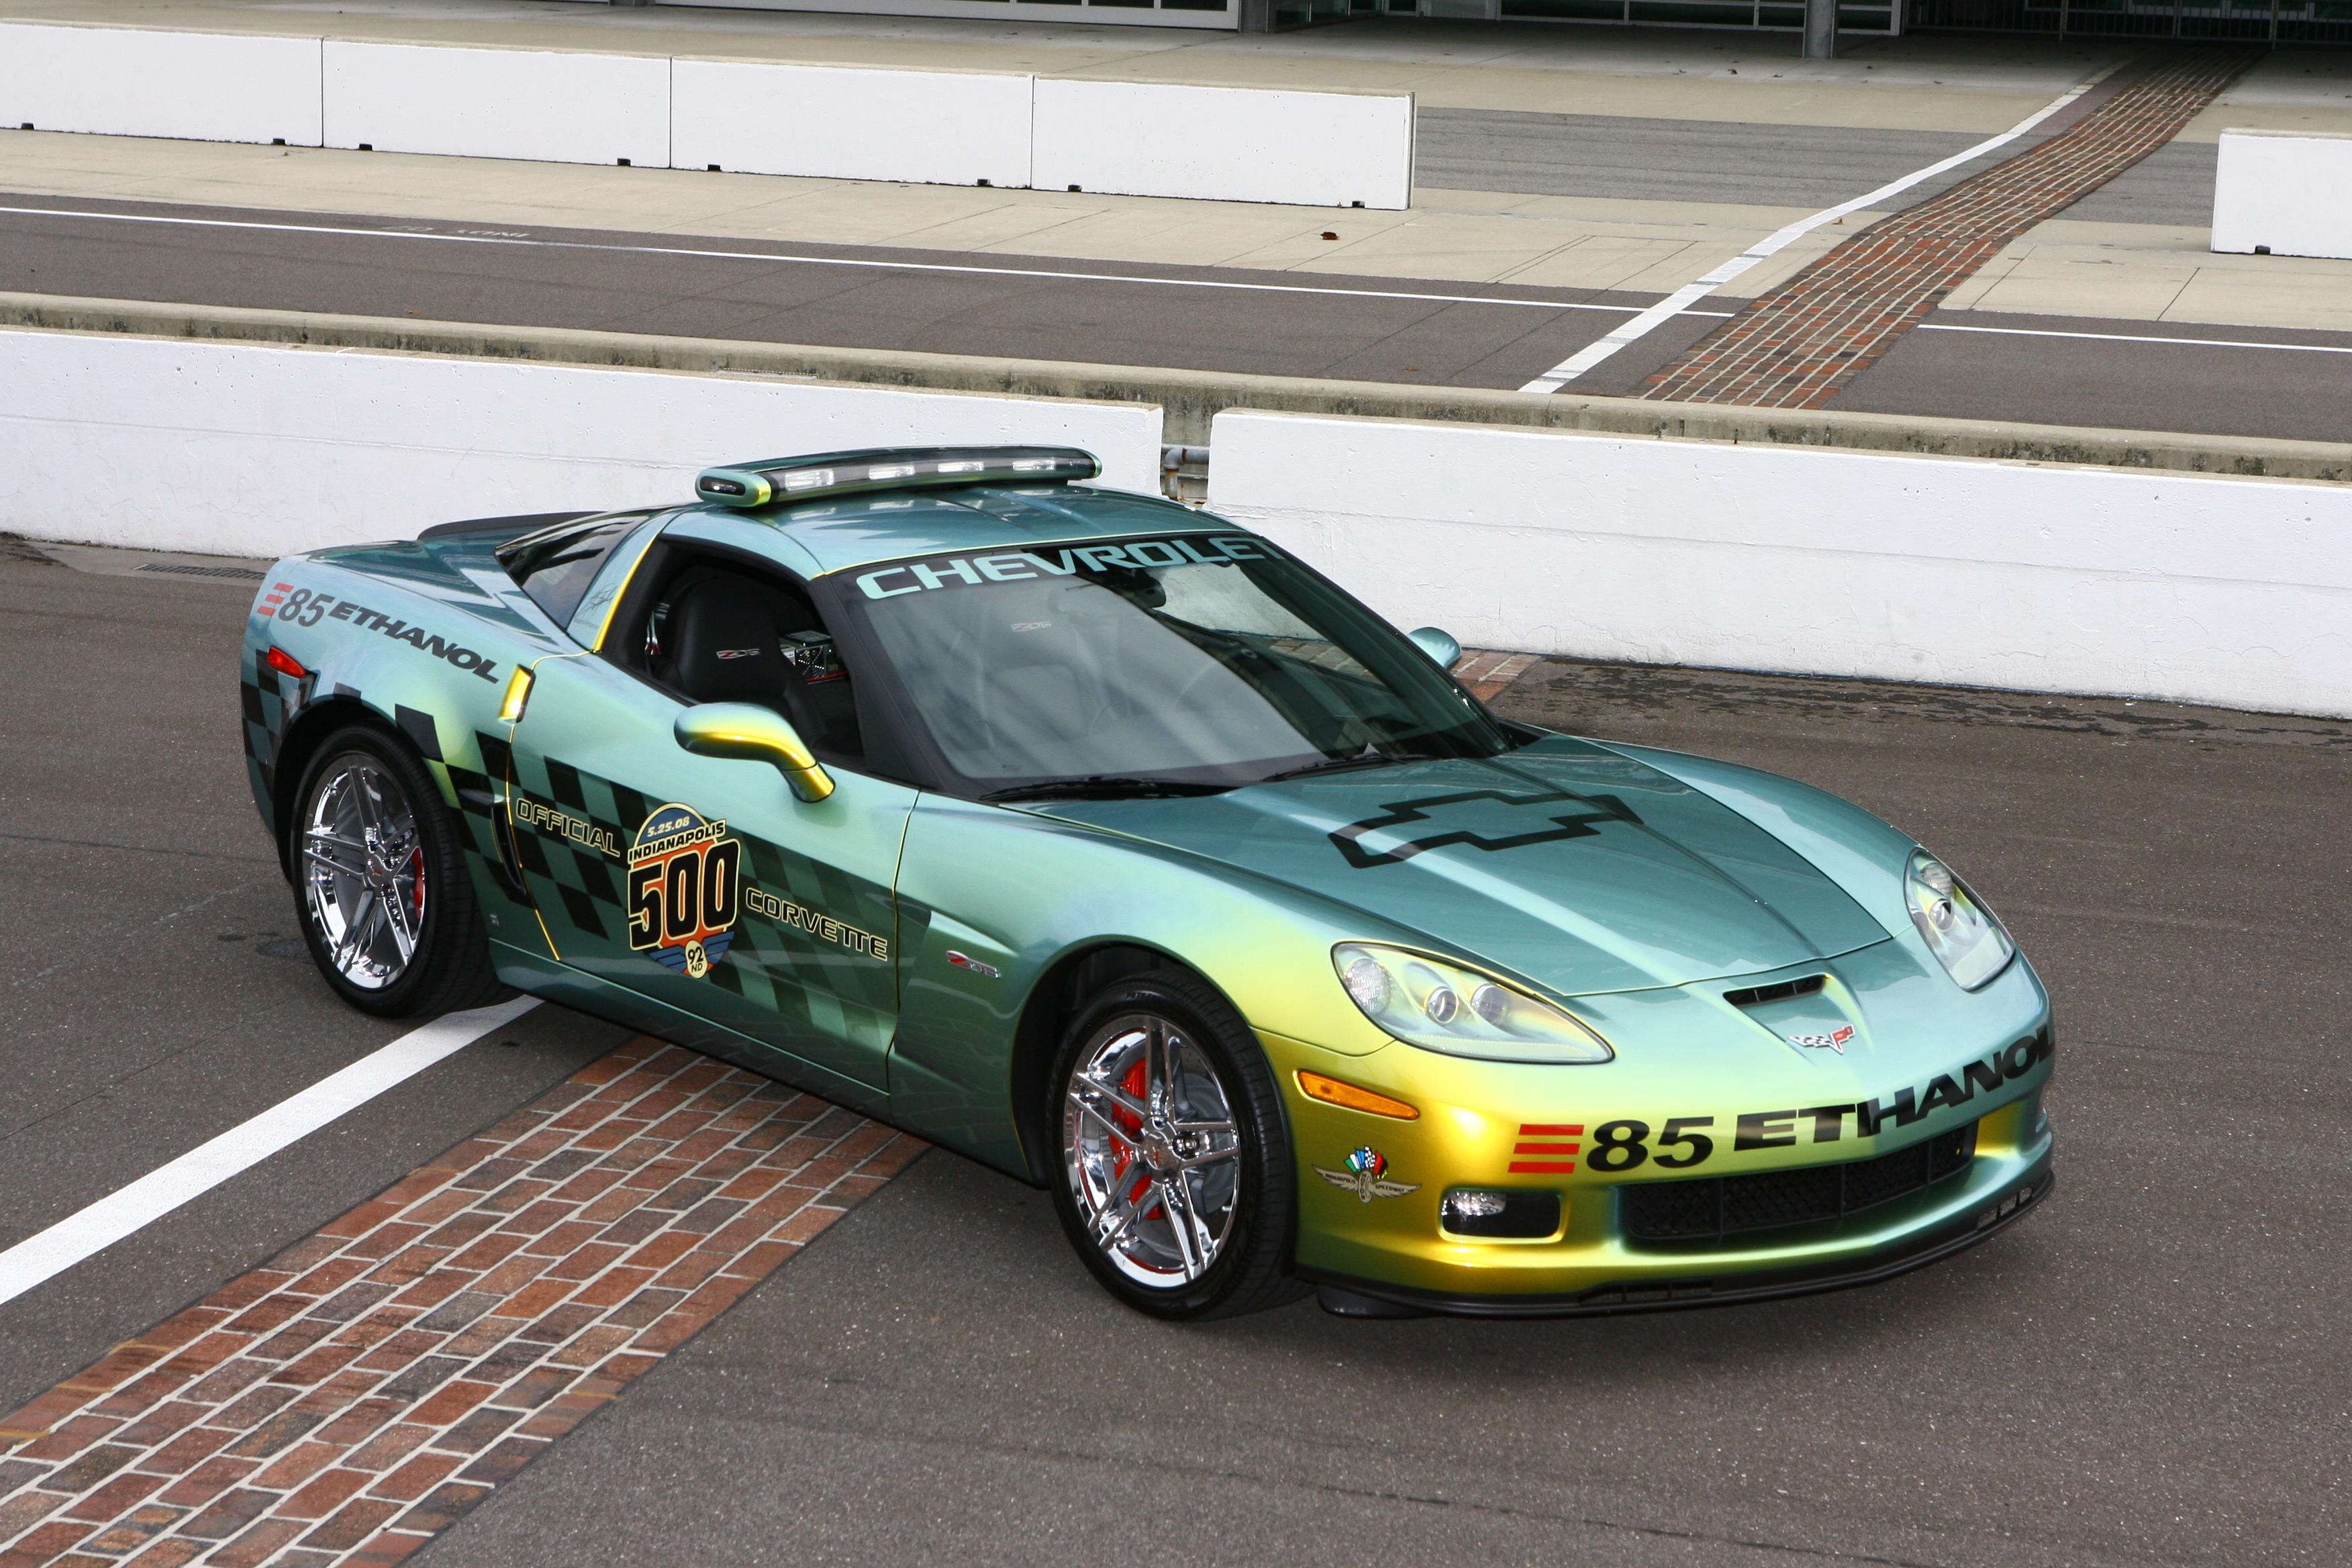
[
  {"x": 1438, "y": 646},
  {"x": 753, "y": 734}
]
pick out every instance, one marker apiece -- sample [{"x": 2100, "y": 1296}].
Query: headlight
[
  {"x": 1959, "y": 931},
  {"x": 1442, "y": 1007}
]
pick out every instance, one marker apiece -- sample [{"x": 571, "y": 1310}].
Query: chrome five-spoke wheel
[
  {"x": 1153, "y": 1151},
  {"x": 363, "y": 871}
]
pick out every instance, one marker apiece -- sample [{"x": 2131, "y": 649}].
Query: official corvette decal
[
  {"x": 1833, "y": 1041},
  {"x": 681, "y": 894},
  {"x": 529, "y": 813},
  {"x": 1021, "y": 565},
  {"x": 1488, "y": 819},
  {"x": 1681, "y": 1142},
  {"x": 823, "y": 927},
  {"x": 1364, "y": 1177},
  {"x": 305, "y": 608}
]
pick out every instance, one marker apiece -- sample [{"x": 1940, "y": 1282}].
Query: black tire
[
  {"x": 448, "y": 967},
  {"x": 1249, "y": 1269}
]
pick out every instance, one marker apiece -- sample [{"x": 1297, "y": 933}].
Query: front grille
[{"x": 1713, "y": 1207}]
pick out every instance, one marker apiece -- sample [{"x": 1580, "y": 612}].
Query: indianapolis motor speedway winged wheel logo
[{"x": 1363, "y": 1177}]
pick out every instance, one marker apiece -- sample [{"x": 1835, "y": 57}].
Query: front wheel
[
  {"x": 1176, "y": 1184},
  {"x": 380, "y": 882}
]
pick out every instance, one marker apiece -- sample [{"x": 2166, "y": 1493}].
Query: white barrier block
[
  {"x": 555, "y": 107},
  {"x": 2286, "y": 192},
  {"x": 1224, "y": 144},
  {"x": 837, "y": 122},
  {"x": 125, "y": 81},
  {"x": 1967, "y": 572},
  {"x": 246, "y": 449}
]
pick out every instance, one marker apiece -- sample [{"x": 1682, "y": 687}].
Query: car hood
[{"x": 1572, "y": 865}]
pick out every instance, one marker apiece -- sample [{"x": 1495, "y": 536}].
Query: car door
[{"x": 703, "y": 883}]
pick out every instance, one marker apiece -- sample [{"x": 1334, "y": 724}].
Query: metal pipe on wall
[{"x": 1821, "y": 30}]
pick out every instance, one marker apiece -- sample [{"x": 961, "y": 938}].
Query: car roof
[{"x": 832, "y": 534}]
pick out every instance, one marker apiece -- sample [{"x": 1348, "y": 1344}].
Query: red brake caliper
[
  {"x": 416, "y": 863},
  {"x": 1137, "y": 1084}
]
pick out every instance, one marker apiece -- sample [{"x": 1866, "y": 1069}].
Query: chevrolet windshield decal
[{"x": 1025, "y": 566}]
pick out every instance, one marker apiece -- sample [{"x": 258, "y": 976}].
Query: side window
[
  {"x": 716, "y": 632},
  {"x": 555, "y": 565}
]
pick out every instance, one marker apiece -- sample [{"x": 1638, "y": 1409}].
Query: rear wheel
[
  {"x": 380, "y": 882},
  {"x": 1176, "y": 1184}
]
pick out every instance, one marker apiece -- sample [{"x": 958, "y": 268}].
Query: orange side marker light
[{"x": 1332, "y": 1091}]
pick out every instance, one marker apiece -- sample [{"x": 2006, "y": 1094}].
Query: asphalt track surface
[
  {"x": 2147, "y": 1371},
  {"x": 2057, "y": 370},
  {"x": 1610, "y": 156},
  {"x": 155, "y": 994},
  {"x": 1614, "y": 157}
]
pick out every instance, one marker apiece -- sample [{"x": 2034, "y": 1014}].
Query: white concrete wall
[
  {"x": 1215, "y": 143},
  {"x": 2289, "y": 192},
  {"x": 211, "y": 87},
  {"x": 1224, "y": 143},
  {"x": 2229, "y": 591},
  {"x": 242, "y": 450},
  {"x": 919, "y": 127},
  {"x": 557, "y": 107}
]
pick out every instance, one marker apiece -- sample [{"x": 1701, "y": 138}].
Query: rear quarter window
[{"x": 556, "y": 566}]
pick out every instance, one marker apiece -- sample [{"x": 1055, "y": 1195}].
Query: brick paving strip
[
  {"x": 1487, "y": 671},
  {"x": 1795, "y": 347},
  {"x": 358, "y": 1393}
]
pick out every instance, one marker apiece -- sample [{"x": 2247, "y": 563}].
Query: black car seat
[
  {"x": 724, "y": 639},
  {"x": 718, "y": 644}
]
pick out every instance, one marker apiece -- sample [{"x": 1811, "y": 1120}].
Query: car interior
[{"x": 715, "y": 633}]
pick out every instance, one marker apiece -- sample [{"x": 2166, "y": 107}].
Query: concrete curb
[{"x": 1190, "y": 399}]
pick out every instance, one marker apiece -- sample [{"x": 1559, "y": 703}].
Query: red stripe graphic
[{"x": 1546, "y": 1130}]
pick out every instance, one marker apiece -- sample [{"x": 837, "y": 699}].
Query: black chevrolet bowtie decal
[{"x": 1399, "y": 814}]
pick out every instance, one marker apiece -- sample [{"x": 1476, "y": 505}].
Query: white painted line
[
  {"x": 1681, "y": 299},
  {"x": 130, "y": 1209},
  {"x": 527, "y": 241},
  {"x": 2137, "y": 338}
]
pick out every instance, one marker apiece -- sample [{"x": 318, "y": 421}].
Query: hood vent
[{"x": 1756, "y": 996}]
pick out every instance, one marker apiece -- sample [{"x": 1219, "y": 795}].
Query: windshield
[{"x": 1202, "y": 661}]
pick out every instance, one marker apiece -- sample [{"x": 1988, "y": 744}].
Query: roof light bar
[{"x": 758, "y": 484}]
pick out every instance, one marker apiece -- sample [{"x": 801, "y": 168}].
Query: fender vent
[
  {"x": 1712, "y": 1208},
  {"x": 1756, "y": 996}
]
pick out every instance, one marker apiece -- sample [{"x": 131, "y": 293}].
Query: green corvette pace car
[{"x": 1102, "y": 841}]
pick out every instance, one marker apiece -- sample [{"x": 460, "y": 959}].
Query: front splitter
[{"x": 1371, "y": 1299}]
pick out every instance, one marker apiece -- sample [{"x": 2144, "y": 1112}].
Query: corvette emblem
[
  {"x": 1834, "y": 1041},
  {"x": 1363, "y": 1177}
]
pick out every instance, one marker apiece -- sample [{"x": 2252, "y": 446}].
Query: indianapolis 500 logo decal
[{"x": 682, "y": 889}]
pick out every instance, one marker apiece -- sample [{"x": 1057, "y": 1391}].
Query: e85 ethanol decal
[
  {"x": 681, "y": 895},
  {"x": 1681, "y": 1142},
  {"x": 304, "y": 608}
]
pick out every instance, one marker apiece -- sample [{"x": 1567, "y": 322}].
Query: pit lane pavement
[{"x": 2092, "y": 372}]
